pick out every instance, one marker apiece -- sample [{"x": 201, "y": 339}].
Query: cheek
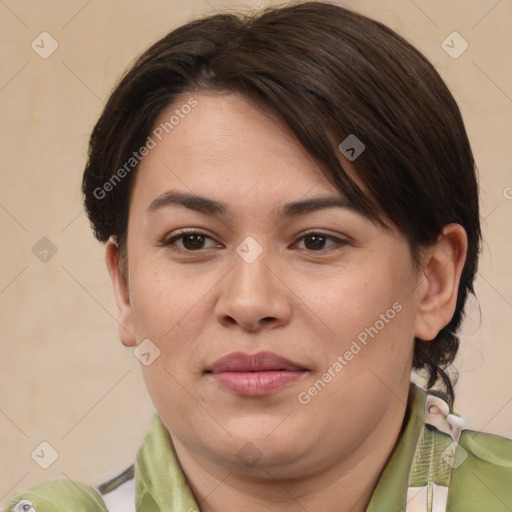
[
  {"x": 170, "y": 313},
  {"x": 162, "y": 300},
  {"x": 353, "y": 302},
  {"x": 370, "y": 314}
]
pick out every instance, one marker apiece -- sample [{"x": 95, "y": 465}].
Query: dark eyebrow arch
[
  {"x": 191, "y": 201},
  {"x": 212, "y": 207},
  {"x": 318, "y": 203}
]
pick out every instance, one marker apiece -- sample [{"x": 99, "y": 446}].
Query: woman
[{"x": 290, "y": 211}]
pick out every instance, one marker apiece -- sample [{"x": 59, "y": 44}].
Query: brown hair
[{"x": 328, "y": 72}]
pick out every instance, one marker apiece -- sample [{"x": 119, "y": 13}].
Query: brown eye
[
  {"x": 320, "y": 242},
  {"x": 193, "y": 242},
  {"x": 315, "y": 242},
  {"x": 190, "y": 242}
]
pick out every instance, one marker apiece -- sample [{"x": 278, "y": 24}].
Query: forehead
[{"x": 226, "y": 146}]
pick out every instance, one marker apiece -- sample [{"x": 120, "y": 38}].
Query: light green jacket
[{"x": 436, "y": 466}]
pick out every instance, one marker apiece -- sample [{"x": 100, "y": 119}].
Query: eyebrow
[{"x": 213, "y": 207}]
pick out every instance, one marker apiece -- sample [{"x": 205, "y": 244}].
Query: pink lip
[{"x": 255, "y": 374}]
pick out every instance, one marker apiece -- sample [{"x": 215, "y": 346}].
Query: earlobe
[
  {"x": 442, "y": 268},
  {"x": 121, "y": 294}
]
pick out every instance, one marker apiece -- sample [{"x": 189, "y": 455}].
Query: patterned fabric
[{"x": 436, "y": 466}]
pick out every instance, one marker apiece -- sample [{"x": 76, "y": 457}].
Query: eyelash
[{"x": 170, "y": 242}]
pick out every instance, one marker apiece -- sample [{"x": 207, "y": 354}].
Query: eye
[
  {"x": 195, "y": 241},
  {"x": 318, "y": 241},
  {"x": 190, "y": 241}
]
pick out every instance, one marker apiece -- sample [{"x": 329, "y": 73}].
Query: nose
[{"x": 253, "y": 296}]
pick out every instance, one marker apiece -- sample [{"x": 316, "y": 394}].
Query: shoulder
[
  {"x": 475, "y": 466},
  {"x": 116, "y": 495},
  {"x": 57, "y": 496},
  {"x": 481, "y": 476}
]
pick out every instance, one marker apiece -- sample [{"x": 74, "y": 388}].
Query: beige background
[{"x": 64, "y": 377}]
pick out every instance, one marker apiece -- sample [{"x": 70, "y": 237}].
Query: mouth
[{"x": 255, "y": 374}]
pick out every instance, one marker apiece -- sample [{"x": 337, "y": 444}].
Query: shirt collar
[{"x": 391, "y": 490}]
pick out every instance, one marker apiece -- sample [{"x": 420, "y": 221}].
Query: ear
[
  {"x": 442, "y": 267},
  {"x": 121, "y": 293}
]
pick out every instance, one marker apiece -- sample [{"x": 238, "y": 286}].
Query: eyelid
[
  {"x": 186, "y": 231},
  {"x": 170, "y": 240},
  {"x": 322, "y": 232}
]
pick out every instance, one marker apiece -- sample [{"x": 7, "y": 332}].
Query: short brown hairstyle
[{"x": 328, "y": 72}]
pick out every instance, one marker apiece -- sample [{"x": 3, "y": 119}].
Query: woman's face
[{"x": 284, "y": 319}]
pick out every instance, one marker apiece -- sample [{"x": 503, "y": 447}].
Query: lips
[
  {"x": 260, "y": 362},
  {"x": 255, "y": 374}
]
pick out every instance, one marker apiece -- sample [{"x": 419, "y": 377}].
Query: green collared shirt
[{"x": 436, "y": 466}]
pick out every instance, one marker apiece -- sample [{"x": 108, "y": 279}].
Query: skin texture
[{"x": 304, "y": 304}]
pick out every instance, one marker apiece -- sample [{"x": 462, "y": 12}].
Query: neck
[{"x": 347, "y": 485}]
